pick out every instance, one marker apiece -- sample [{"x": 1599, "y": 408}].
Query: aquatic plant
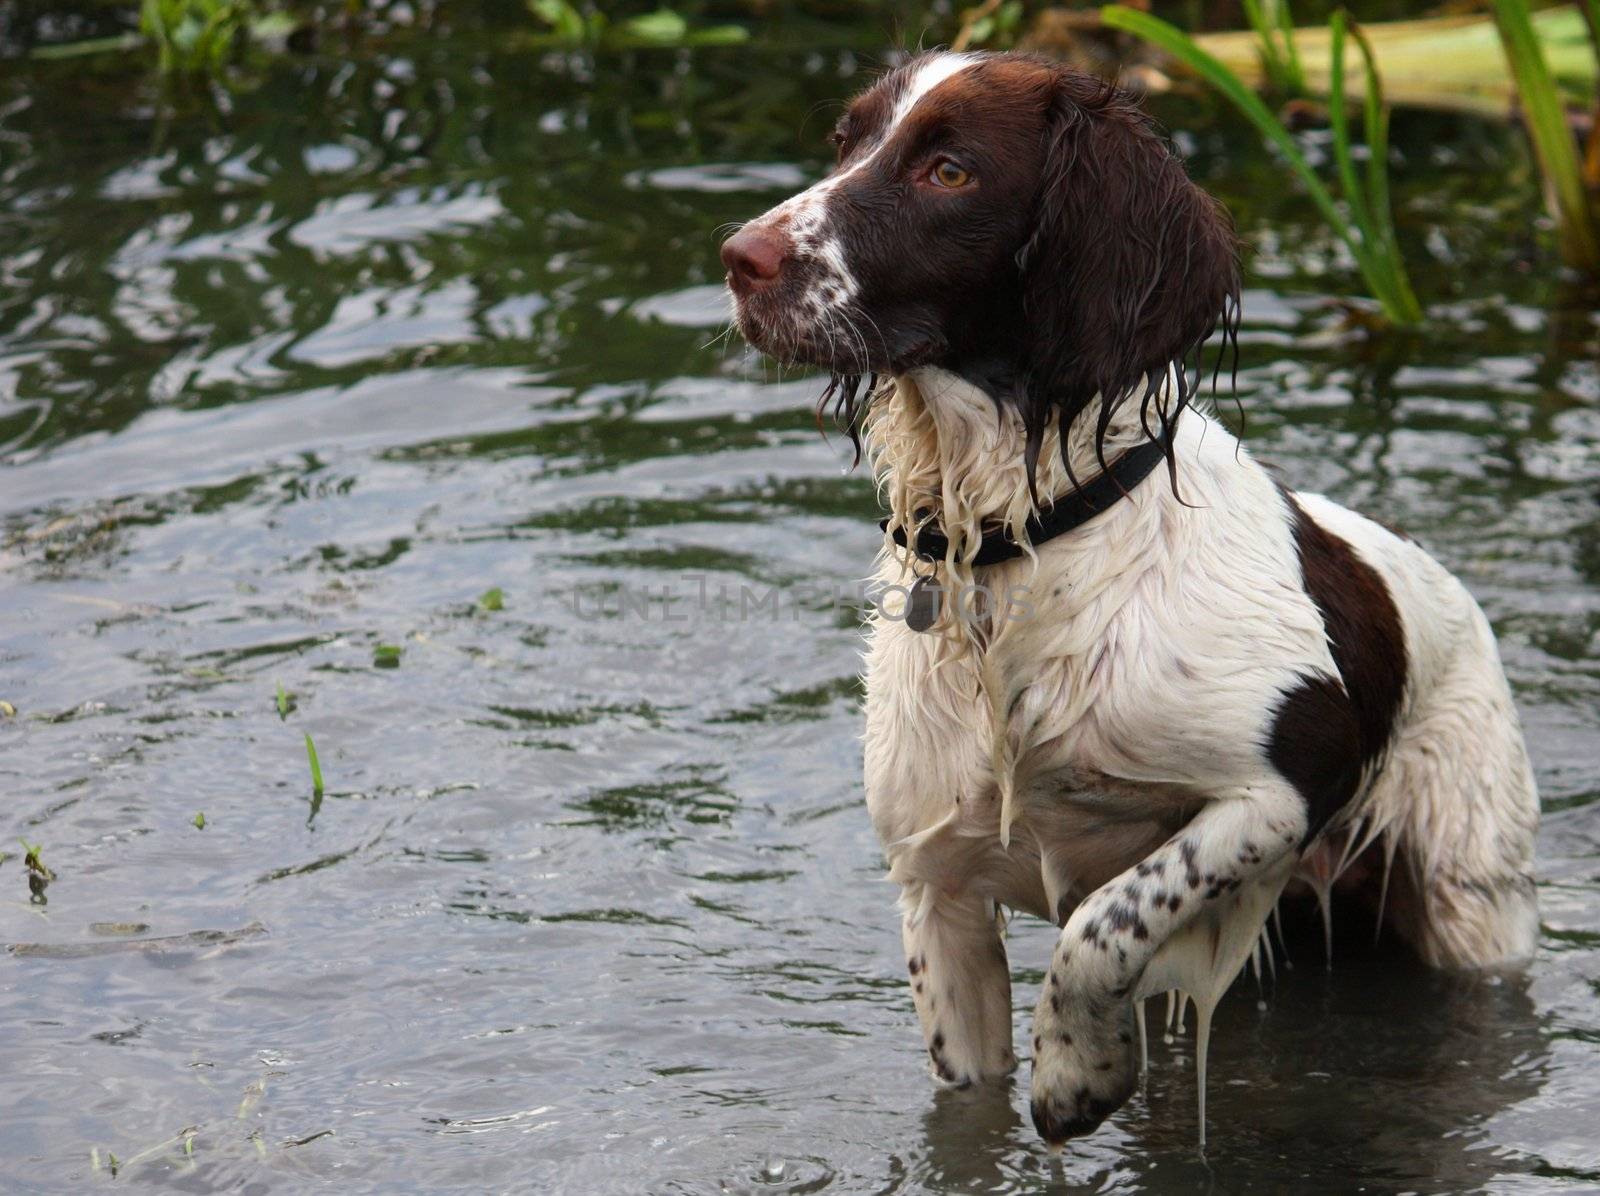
[
  {"x": 1378, "y": 254},
  {"x": 1575, "y": 208},
  {"x": 190, "y": 37},
  {"x": 492, "y": 599},
  {"x": 577, "y": 27},
  {"x": 1280, "y": 61},
  {"x": 33, "y": 862},
  {"x": 1455, "y": 62},
  {"x": 316, "y": 766},
  {"x": 1369, "y": 231},
  {"x": 39, "y": 873},
  {"x": 1540, "y": 64}
]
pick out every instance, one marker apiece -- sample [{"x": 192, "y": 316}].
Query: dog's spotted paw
[
  {"x": 1084, "y": 1065},
  {"x": 960, "y": 1064}
]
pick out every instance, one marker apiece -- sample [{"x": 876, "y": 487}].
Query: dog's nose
[{"x": 754, "y": 257}]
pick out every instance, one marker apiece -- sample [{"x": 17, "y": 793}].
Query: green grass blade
[
  {"x": 1591, "y": 156},
  {"x": 1553, "y": 142},
  {"x": 93, "y": 45},
  {"x": 316, "y": 766},
  {"x": 1339, "y": 121},
  {"x": 1258, "y": 22},
  {"x": 1297, "y": 76},
  {"x": 1178, "y": 44},
  {"x": 1379, "y": 202},
  {"x": 1591, "y": 18},
  {"x": 1376, "y": 116},
  {"x": 1271, "y": 63}
]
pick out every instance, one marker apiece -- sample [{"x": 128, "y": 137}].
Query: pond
[{"x": 591, "y": 902}]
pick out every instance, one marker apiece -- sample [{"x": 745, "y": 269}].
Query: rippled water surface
[{"x": 591, "y": 903}]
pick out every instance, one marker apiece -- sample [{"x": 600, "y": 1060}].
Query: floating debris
[{"x": 160, "y": 945}]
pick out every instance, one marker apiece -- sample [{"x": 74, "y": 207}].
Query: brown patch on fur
[{"x": 1327, "y": 734}]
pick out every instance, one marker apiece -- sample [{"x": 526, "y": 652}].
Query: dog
[{"x": 1211, "y": 685}]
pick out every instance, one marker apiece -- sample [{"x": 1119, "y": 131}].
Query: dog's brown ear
[{"x": 1131, "y": 266}]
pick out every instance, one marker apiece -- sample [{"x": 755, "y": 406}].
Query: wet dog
[{"x": 1211, "y": 684}]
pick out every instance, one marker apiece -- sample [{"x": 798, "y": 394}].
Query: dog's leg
[
  {"x": 1085, "y": 1065},
  {"x": 960, "y": 983},
  {"x": 1458, "y": 794}
]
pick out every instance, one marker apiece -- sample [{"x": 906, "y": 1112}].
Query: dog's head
[{"x": 1002, "y": 217}]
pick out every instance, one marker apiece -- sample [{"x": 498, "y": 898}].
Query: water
[{"x": 591, "y": 902}]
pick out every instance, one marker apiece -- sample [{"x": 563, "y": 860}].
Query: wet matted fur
[{"x": 1214, "y": 686}]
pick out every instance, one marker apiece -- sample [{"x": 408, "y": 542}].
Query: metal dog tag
[{"x": 922, "y": 604}]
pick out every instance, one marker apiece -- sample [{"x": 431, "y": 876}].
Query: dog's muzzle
[{"x": 754, "y": 257}]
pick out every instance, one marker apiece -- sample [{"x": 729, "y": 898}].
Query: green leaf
[
  {"x": 492, "y": 599},
  {"x": 563, "y": 18},
  {"x": 1338, "y": 119},
  {"x": 718, "y": 35},
  {"x": 1553, "y": 143},
  {"x": 1376, "y": 116},
  {"x": 386, "y": 656},
  {"x": 32, "y": 861},
  {"x": 93, "y": 45},
  {"x": 200, "y": 821},
  {"x": 664, "y": 27},
  {"x": 1296, "y": 76},
  {"x": 186, "y": 34},
  {"x": 316, "y": 766},
  {"x": 272, "y": 26}
]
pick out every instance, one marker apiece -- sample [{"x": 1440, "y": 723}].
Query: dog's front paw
[
  {"x": 960, "y": 1061},
  {"x": 1084, "y": 1066}
]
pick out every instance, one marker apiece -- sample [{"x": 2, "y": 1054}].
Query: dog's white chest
[{"x": 935, "y": 797}]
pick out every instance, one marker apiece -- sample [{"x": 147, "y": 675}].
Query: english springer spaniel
[{"x": 1144, "y": 704}]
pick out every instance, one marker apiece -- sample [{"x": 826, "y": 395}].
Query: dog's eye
[
  {"x": 837, "y": 140},
  {"x": 946, "y": 173}
]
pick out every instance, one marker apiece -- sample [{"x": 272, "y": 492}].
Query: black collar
[{"x": 1070, "y": 510}]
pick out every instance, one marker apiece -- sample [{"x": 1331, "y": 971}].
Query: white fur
[{"x": 1034, "y": 762}]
